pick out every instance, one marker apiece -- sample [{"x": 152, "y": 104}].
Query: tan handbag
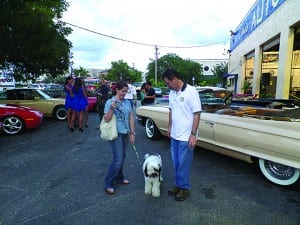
[{"x": 108, "y": 130}]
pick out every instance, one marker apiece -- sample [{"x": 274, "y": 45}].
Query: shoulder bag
[{"x": 108, "y": 130}]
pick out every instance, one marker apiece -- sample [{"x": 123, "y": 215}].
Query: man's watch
[{"x": 193, "y": 133}]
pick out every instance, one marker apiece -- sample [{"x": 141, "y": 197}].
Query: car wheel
[
  {"x": 60, "y": 113},
  {"x": 278, "y": 173},
  {"x": 13, "y": 125},
  {"x": 151, "y": 130}
]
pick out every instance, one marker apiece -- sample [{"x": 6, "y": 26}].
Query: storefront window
[
  {"x": 249, "y": 67},
  {"x": 295, "y": 71},
  {"x": 269, "y": 69}
]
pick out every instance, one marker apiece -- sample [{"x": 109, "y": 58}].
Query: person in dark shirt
[
  {"x": 102, "y": 96},
  {"x": 150, "y": 94}
]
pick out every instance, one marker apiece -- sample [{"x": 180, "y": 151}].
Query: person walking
[
  {"x": 126, "y": 133},
  {"x": 102, "y": 96},
  {"x": 143, "y": 91},
  {"x": 69, "y": 99},
  {"x": 131, "y": 94},
  {"x": 184, "y": 118},
  {"x": 86, "y": 111},
  {"x": 79, "y": 104}
]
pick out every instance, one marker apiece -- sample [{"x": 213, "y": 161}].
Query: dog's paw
[{"x": 156, "y": 195}]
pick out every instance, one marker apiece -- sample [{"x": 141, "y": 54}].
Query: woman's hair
[
  {"x": 77, "y": 84},
  {"x": 67, "y": 81},
  {"x": 120, "y": 85},
  {"x": 143, "y": 86}
]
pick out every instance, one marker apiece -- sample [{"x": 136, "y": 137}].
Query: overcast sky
[{"x": 204, "y": 24}]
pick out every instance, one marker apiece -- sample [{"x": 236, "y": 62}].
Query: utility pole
[
  {"x": 71, "y": 62},
  {"x": 156, "y": 56}
]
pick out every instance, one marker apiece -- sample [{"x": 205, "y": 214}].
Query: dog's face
[{"x": 152, "y": 165}]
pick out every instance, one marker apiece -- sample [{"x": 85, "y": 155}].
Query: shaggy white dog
[{"x": 152, "y": 168}]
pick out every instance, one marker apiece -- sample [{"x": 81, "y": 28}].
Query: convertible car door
[
  {"x": 206, "y": 127},
  {"x": 231, "y": 132}
]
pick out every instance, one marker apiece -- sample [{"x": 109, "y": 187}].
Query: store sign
[{"x": 261, "y": 10}]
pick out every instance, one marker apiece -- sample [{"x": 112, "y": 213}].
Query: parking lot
[{"x": 51, "y": 176}]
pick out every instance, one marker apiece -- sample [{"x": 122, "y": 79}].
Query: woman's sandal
[
  {"x": 110, "y": 191},
  {"x": 125, "y": 182}
]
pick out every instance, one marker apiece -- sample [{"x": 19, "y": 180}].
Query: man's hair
[
  {"x": 120, "y": 84},
  {"x": 149, "y": 83},
  {"x": 170, "y": 74}
]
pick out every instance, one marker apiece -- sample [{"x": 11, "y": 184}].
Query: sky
[{"x": 111, "y": 30}]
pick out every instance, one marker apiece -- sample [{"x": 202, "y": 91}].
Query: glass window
[
  {"x": 269, "y": 69},
  {"x": 249, "y": 67},
  {"x": 295, "y": 71}
]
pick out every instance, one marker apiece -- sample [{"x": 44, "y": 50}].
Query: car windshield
[
  {"x": 208, "y": 97},
  {"x": 43, "y": 94}
]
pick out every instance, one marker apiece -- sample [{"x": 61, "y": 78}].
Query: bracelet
[{"x": 132, "y": 133}]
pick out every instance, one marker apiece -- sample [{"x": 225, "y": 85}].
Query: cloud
[{"x": 156, "y": 22}]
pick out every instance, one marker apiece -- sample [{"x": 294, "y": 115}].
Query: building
[
  {"x": 264, "y": 54},
  {"x": 209, "y": 64},
  {"x": 97, "y": 73}
]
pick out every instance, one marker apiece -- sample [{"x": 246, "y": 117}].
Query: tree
[
  {"x": 32, "y": 39},
  {"x": 120, "y": 70},
  {"x": 186, "y": 68},
  {"x": 81, "y": 72},
  {"x": 219, "y": 71}
]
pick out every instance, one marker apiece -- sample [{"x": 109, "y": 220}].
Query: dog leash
[{"x": 137, "y": 154}]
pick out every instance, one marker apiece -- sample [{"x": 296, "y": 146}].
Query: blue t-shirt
[{"x": 122, "y": 113}]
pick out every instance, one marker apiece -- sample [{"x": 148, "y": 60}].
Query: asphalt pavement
[{"x": 52, "y": 176}]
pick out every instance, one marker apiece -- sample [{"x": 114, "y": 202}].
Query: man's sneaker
[
  {"x": 173, "y": 191},
  {"x": 182, "y": 195}
]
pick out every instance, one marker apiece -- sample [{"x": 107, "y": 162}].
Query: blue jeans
[
  {"x": 115, "y": 171},
  {"x": 182, "y": 157}
]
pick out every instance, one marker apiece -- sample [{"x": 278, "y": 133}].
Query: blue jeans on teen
[
  {"x": 115, "y": 171},
  {"x": 182, "y": 157}
]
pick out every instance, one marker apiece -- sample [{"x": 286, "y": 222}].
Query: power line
[{"x": 135, "y": 42}]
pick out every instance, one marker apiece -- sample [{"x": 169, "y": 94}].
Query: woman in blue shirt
[{"x": 125, "y": 125}]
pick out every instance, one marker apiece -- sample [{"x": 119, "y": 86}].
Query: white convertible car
[{"x": 268, "y": 137}]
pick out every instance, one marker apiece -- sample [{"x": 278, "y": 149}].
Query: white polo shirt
[
  {"x": 131, "y": 92},
  {"x": 183, "y": 105}
]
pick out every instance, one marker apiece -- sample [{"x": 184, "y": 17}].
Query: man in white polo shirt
[
  {"x": 131, "y": 93},
  {"x": 184, "y": 118}
]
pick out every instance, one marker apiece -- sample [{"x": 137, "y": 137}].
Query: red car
[
  {"x": 16, "y": 119},
  {"x": 92, "y": 104}
]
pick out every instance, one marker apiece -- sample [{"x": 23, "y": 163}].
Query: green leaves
[
  {"x": 31, "y": 39},
  {"x": 186, "y": 68},
  {"x": 120, "y": 70}
]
